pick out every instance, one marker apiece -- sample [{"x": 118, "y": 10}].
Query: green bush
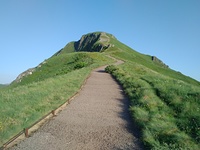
[{"x": 110, "y": 69}]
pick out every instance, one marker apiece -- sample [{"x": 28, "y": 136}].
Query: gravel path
[{"x": 96, "y": 119}]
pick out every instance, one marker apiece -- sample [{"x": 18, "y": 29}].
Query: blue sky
[{"x": 33, "y": 30}]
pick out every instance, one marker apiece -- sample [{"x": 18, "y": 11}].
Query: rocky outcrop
[
  {"x": 24, "y": 74},
  {"x": 159, "y": 62},
  {"x": 93, "y": 42},
  {"x": 87, "y": 42},
  {"x": 27, "y": 72}
]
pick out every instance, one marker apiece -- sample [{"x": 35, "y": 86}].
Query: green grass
[
  {"x": 127, "y": 54},
  {"x": 165, "y": 109},
  {"x": 21, "y": 104},
  {"x": 69, "y": 48},
  {"x": 61, "y": 64}
]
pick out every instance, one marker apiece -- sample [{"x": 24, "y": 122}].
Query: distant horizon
[{"x": 32, "y": 31}]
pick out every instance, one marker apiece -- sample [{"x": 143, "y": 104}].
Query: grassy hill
[
  {"x": 48, "y": 86},
  {"x": 164, "y": 103}
]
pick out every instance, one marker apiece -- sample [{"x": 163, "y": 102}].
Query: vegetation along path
[{"x": 97, "y": 118}]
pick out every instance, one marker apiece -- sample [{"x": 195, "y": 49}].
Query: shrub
[{"x": 111, "y": 69}]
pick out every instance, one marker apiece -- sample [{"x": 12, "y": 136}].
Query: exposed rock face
[
  {"x": 93, "y": 42},
  {"x": 158, "y": 61},
  {"x": 86, "y": 42},
  {"x": 24, "y": 74},
  {"x": 27, "y": 72}
]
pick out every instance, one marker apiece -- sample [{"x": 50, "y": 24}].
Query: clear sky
[{"x": 33, "y": 30}]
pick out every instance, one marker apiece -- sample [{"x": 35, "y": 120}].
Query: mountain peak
[{"x": 93, "y": 42}]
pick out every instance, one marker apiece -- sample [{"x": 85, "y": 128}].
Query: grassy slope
[
  {"x": 52, "y": 84},
  {"x": 69, "y": 48},
  {"x": 127, "y": 54},
  {"x": 164, "y": 103},
  {"x": 62, "y": 64}
]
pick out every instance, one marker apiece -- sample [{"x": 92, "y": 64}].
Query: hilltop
[
  {"x": 91, "y": 42},
  {"x": 101, "y": 42},
  {"x": 164, "y": 103}
]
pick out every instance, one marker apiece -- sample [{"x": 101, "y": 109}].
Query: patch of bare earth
[{"x": 96, "y": 119}]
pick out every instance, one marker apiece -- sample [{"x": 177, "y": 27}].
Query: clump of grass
[
  {"x": 166, "y": 113},
  {"x": 183, "y": 99}
]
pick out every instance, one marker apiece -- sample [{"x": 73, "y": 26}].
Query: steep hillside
[
  {"x": 164, "y": 103},
  {"x": 108, "y": 44},
  {"x": 92, "y": 42},
  {"x": 65, "y": 60},
  {"x": 59, "y": 65}
]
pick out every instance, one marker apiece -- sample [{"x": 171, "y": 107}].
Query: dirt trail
[{"x": 96, "y": 119}]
